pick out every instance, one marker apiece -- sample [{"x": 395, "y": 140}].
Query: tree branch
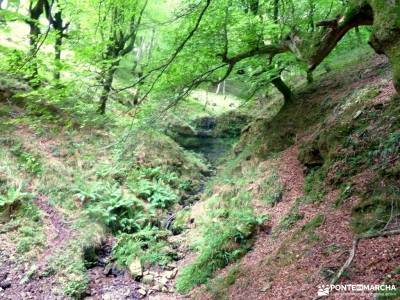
[{"x": 162, "y": 68}]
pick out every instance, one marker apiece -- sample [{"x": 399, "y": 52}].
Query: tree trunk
[
  {"x": 107, "y": 84},
  {"x": 35, "y": 11},
  {"x": 310, "y": 77},
  {"x": 383, "y": 15},
  {"x": 283, "y": 88},
  {"x": 276, "y": 11},
  {"x": 33, "y": 40},
  {"x": 57, "y": 56}
]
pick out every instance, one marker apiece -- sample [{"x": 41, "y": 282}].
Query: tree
[
  {"x": 123, "y": 26},
  {"x": 60, "y": 28},
  {"x": 287, "y": 32},
  {"x": 384, "y": 17},
  {"x": 36, "y": 9}
]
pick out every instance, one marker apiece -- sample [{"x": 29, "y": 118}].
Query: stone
[
  {"x": 170, "y": 266},
  {"x": 135, "y": 268},
  {"x": 171, "y": 274},
  {"x": 148, "y": 279},
  {"x": 163, "y": 280},
  {"x": 157, "y": 287},
  {"x": 358, "y": 113},
  {"x": 142, "y": 292},
  {"x": 108, "y": 296},
  {"x": 266, "y": 287},
  {"x": 5, "y": 285},
  {"x": 107, "y": 269}
]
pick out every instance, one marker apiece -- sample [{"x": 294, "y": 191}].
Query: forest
[{"x": 199, "y": 149}]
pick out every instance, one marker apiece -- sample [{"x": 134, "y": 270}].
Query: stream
[{"x": 108, "y": 282}]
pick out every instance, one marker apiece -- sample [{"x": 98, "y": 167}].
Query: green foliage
[
  {"x": 290, "y": 219},
  {"x": 148, "y": 244},
  {"x": 13, "y": 197},
  {"x": 310, "y": 227},
  {"x": 345, "y": 192},
  {"x": 29, "y": 237},
  {"x": 314, "y": 186},
  {"x": 156, "y": 193},
  {"x": 110, "y": 206},
  {"x": 375, "y": 209},
  {"x": 222, "y": 242},
  {"x": 218, "y": 287},
  {"x": 30, "y": 162},
  {"x": 272, "y": 189},
  {"x": 75, "y": 288}
]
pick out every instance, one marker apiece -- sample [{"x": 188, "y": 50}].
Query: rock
[
  {"x": 148, "y": 279},
  {"x": 171, "y": 274},
  {"x": 142, "y": 292},
  {"x": 164, "y": 289},
  {"x": 358, "y": 113},
  {"x": 107, "y": 296},
  {"x": 163, "y": 280},
  {"x": 157, "y": 287},
  {"x": 107, "y": 269},
  {"x": 135, "y": 268},
  {"x": 170, "y": 266},
  {"x": 5, "y": 285},
  {"x": 266, "y": 287}
]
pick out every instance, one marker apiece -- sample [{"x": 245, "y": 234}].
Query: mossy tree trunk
[{"x": 383, "y": 15}]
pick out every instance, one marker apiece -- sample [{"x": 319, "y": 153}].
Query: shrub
[
  {"x": 157, "y": 193},
  {"x": 28, "y": 161},
  {"x": 109, "y": 206},
  {"x": 11, "y": 199},
  {"x": 314, "y": 190},
  {"x": 148, "y": 244}
]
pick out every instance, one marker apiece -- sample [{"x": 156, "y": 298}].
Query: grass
[
  {"x": 310, "y": 227},
  {"x": 290, "y": 219},
  {"x": 219, "y": 286},
  {"x": 272, "y": 189},
  {"x": 314, "y": 186},
  {"x": 221, "y": 243},
  {"x": 227, "y": 231}
]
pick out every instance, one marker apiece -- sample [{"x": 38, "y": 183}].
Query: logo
[
  {"x": 323, "y": 290},
  {"x": 354, "y": 289}
]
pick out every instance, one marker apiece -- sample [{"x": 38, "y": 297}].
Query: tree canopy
[{"x": 164, "y": 50}]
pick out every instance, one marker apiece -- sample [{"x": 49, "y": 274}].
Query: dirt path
[
  {"x": 27, "y": 281},
  {"x": 57, "y": 231}
]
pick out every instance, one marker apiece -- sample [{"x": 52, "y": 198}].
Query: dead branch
[{"x": 353, "y": 250}]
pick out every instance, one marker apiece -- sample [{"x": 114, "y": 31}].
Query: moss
[
  {"x": 218, "y": 287},
  {"x": 394, "y": 57},
  {"x": 314, "y": 186},
  {"x": 290, "y": 219},
  {"x": 373, "y": 211},
  {"x": 272, "y": 189}
]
